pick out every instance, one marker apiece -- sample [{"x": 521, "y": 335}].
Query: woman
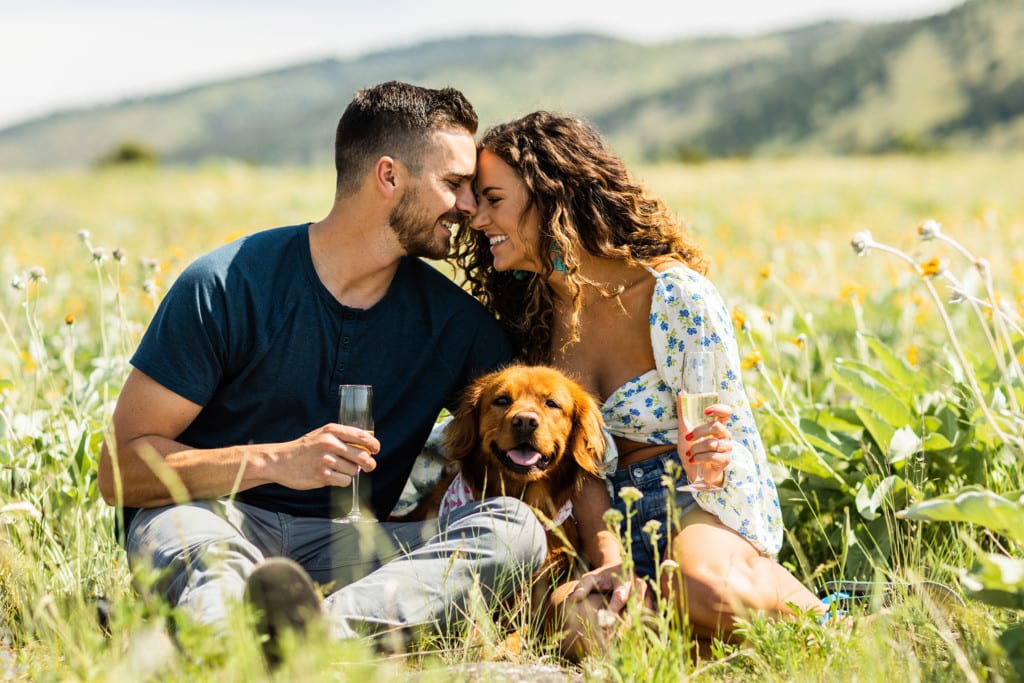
[{"x": 590, "y": 273}]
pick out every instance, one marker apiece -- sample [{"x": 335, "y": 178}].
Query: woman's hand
[
  {"x": 708, "y": 444},
  {"x": 609, "y": 580}
]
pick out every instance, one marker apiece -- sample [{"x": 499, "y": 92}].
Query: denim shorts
[{"x": 647, "y": 477}]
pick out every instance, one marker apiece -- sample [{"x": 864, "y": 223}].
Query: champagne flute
[
  {"x": 355, "y": 410},
  {"x": 700, "y": 390}
]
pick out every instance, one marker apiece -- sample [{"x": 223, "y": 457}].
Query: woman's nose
[{"x": 478, "y": 219}]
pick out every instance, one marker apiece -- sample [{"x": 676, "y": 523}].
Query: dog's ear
[
  {"x": 587, "y": 443},
  {"x": 462, "y": 435}
]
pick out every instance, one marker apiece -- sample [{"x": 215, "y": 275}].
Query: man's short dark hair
[{"x": 394, "y": 119}]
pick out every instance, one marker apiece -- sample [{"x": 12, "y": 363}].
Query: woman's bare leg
[{"x": 722, "y": 577}]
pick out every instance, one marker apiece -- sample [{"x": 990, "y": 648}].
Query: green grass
[{"x": 778, "y": 235}]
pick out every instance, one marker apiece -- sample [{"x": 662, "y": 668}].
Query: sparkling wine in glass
[
  {"x": 700, "y": 390},
  {"x": 355, "y": 410}
]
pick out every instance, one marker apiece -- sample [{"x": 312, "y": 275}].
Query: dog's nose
[{"x": 525, "y": 422}]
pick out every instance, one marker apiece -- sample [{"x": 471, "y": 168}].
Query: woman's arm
[
  {"x": 688, "y": 312},
  {"x": 600, "y": 545}
]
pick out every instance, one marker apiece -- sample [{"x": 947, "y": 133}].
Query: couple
[{"x": 226, "y": 452}]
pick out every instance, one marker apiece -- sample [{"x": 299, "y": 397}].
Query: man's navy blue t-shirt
[{"x": 250, "y": 333}]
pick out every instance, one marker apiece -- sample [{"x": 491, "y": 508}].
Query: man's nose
[{"x": 466, "y": 202}]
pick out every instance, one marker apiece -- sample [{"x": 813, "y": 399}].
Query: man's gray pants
[{"x": 386, "y": 577}]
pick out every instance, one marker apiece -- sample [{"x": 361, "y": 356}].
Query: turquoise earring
[{"x": 556, "y": 260}]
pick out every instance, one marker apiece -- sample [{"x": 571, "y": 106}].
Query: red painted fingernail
[
  {"x": 688, "y": 455},
  {"x": 691, "y": 458},
  {"x": 689, "y": 436},
  {"x": 708, "y": 411}
]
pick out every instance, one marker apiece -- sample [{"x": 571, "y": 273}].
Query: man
[{"x": 225, "y": 449}]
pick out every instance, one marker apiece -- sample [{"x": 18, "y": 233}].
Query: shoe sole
[{"x": 283, "y": 598}]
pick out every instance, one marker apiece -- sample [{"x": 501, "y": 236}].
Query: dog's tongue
[{"x": 524, "y": 457}]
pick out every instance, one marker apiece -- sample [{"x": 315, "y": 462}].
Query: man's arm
[{"x": 149, "y": 417}]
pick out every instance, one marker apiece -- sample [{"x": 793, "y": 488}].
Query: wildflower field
[{"x": 879, "y": 305}]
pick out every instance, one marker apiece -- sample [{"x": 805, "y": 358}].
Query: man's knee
[
  {"x": 166, "y": 545},
  {"x": 505, "y": 530},
  {"x": 522, "y": 533}
]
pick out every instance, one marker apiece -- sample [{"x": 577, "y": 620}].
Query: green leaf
[
  {"x": 869, "y": 501},
  {"x": 81, "y": 453},
  {"x": 805, "y": 460},
  {"x": 975, "y": 506},
  {"x": 899, "y": 369},
  {"x": 1012, "y": 641},
  {"x": 996, "y": 580},
  {"x": 904, "y": 443},
  {"x": 880, "y": 430},
  {"x": 867, "y": 387},
  {"x": 819, "y": 437},
  {"x": 936, "y": 442}
]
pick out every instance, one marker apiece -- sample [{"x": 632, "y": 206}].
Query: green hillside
[{"x": 954, "y": 80}]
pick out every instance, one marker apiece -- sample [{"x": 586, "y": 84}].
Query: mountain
[{"x": 953, "y": 80}]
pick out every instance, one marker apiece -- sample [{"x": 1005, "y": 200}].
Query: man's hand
[
  {"x": 328, "y": 456},
  {"x": 147, "y": 422}
]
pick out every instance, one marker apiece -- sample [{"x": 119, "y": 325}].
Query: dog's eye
[
  {"x": 502, "y": 401},
  {"x": 552, "y": 403}
]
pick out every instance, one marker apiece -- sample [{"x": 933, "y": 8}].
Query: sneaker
[{"x": 283, "y": 599}]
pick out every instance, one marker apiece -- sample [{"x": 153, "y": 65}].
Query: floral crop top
[{"x": 687, "y": 311}]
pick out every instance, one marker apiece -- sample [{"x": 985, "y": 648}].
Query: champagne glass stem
[
  {"x": 355, "y": 411},
  {"x": 355, "y": 513}
]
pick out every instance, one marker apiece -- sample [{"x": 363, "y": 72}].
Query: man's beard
[{"x": 415, "y": 229}]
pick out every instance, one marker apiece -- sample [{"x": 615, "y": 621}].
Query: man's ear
[{"x": 385, "y": 174}]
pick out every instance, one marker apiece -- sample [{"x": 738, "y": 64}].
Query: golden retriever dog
[{"x": 532, "y": 433}]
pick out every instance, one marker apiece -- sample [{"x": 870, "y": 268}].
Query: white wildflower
[
  {"x": 929, "y": 230},
  {"x": 862, "y": 242}
]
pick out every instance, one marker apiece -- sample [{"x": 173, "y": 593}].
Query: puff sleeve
[{"x": 687, "y": 312}]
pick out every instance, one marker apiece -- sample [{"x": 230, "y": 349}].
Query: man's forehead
[{"x": 457, "y": 148}]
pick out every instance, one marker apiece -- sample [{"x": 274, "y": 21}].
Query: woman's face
[{"x": 502, "y": 198}]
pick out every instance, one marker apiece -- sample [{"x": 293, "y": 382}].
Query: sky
[{"x": 58, "y": 54}]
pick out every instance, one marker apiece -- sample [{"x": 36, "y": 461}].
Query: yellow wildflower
[
  {"x": 852, "y": 292},
  {"x": 29, "y": 362},
  {"x": 800, "y": 341},
  {"x": 738, "y": 319},
  {"x": 766, "y": 271},
  {"x": 69, "y": 319},
  {"x": 912, "y": 355},
  {"x": 932, "y": 267},
  {"x": 751, "y": 360}
]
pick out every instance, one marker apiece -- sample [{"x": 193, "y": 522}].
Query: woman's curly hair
[{"x": 585, "y": 199}]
